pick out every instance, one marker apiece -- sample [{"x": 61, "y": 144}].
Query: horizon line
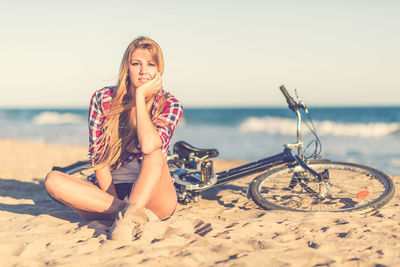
[{"x": 224, "y": 106}]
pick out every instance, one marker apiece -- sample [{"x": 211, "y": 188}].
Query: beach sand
[{"x": 224, "y": 228}]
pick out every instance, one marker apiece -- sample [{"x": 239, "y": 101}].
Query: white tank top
[{"x": 127, "y": 173}]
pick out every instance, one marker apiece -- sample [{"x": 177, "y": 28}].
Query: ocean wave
[
  {"x": 276, "y": 125},
  {"x": 55, "y": 118}
]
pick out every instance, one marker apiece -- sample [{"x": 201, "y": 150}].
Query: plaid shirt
[{"x": 100, "y": 104}]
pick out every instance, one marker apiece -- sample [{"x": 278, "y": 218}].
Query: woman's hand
[{"x": 150, "y": 88}]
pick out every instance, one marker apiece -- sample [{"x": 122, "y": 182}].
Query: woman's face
[{"x": 142, "y": 67}]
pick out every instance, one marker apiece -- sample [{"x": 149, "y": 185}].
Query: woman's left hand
[{"x": 150, "y": 88}]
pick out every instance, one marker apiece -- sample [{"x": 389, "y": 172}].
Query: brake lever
[{"x": 300, "y": 102}]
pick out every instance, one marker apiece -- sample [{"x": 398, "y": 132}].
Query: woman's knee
[{"x": 52, "y": 181}]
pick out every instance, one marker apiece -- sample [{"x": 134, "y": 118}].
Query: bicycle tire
[{"x": 354, "y": 187}]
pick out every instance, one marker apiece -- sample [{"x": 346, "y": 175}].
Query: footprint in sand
[
  {"x": 202, "y": 228},
  {"x": 341, "y": 222},
  {"x": 312, "y": 245},
  {"x": 324, "y": 229},
  {"x": 343, "y": 235}
]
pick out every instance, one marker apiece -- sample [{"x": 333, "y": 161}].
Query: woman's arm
[
  {"x": 104, "y": 179},
  {"x": 99, "y": 102},
  {"x": 149, "y": 139},
  {"x": 101, "y": 99}
]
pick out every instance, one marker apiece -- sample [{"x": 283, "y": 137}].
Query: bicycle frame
[
  {"x": 253, "y": 167},
  {"x": 192, "y": 180}
]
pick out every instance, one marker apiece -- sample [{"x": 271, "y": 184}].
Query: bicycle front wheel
[{"x": 347, "y": 187}]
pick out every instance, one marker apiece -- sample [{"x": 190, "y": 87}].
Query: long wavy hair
[{"x": 119, "y": 138}]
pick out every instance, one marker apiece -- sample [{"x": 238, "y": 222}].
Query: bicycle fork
[{"x": 300, "y": 177}]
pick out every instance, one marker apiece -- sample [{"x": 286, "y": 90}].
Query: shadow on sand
[
  {"x": 212, "y": 194},
  {"x": 33, "y": 192}
]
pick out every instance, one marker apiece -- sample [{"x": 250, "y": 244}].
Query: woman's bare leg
[
  {"x": 154, "y": 188},
  {"x": 86, "y": 199}
]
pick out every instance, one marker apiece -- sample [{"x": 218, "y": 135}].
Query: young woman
[{"x": 130, "y": 127}]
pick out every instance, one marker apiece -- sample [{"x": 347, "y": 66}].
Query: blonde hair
[{"x": 119, "y": 137}]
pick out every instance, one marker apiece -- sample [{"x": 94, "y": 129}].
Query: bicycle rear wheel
[{"x": 350, "y": 187}]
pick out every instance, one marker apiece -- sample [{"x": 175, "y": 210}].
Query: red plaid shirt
[{"x": 100, "y": 104}]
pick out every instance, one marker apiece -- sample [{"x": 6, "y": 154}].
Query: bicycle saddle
[{"x": 183, "y": 149}]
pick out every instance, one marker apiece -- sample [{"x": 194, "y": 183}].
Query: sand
[{"x": 224, "y": 228}]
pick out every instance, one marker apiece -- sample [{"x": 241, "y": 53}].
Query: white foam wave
[
  {"x": 276, "y": 125},
  {"x": 48, "y": 118}
]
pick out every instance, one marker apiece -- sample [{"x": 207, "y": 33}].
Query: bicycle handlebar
[{"x": 292, "y": 104}]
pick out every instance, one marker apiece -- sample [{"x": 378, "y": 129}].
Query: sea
[{"x": 364, "y": 135}]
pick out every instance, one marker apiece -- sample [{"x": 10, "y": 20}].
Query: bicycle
[{"x": 285, "y": 181}]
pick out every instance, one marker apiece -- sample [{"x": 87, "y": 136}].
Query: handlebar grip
[{"x": 292, "y": 104}]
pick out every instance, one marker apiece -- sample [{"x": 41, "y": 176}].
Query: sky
[{"x": 217, "y": 53}]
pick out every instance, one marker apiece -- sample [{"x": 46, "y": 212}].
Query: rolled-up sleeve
[{"x": 167, "y": 121}]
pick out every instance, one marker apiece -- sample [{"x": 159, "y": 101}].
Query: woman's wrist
[{"x": 139, "y": 95}]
